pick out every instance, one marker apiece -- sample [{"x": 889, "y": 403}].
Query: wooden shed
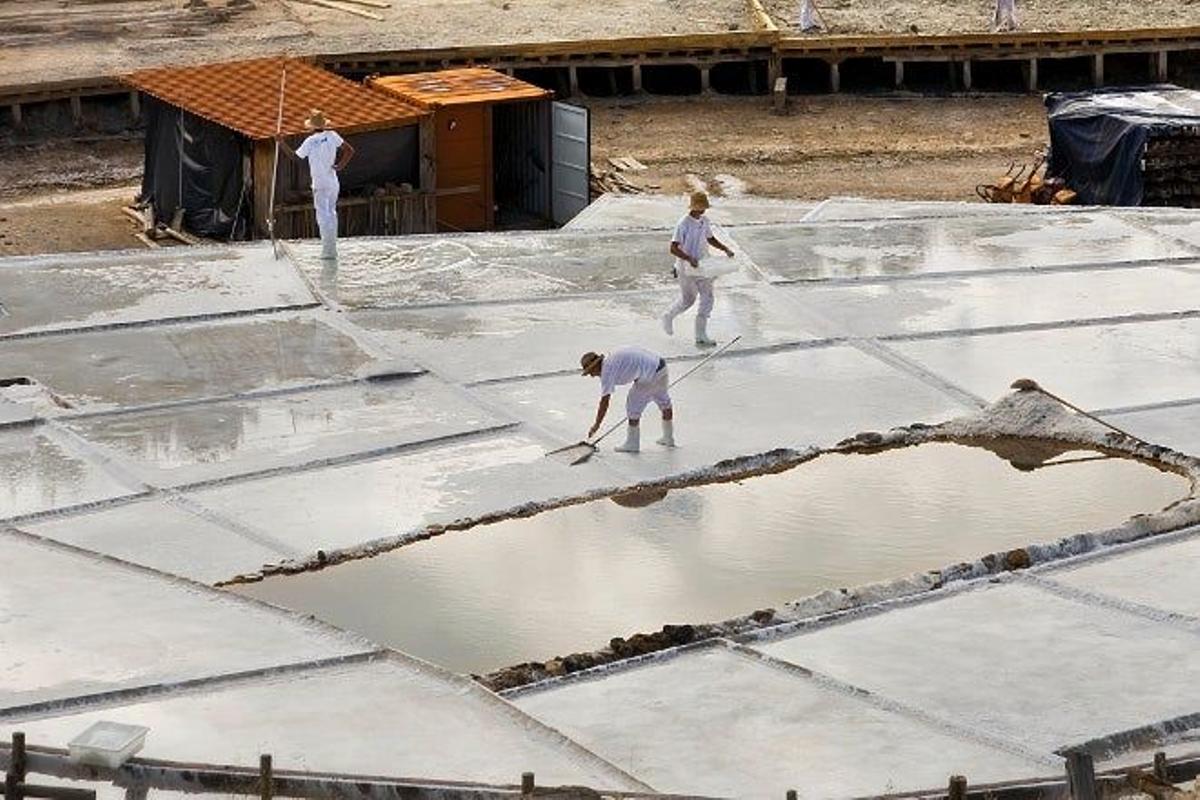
[
  {"x": 505, "y": 155},
  {"x": 210, "y": 150}
]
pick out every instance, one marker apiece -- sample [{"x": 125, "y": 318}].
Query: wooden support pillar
[
  {"x": 573, "y": 80},
  {"x": 637, "y": 78},
  {"x": 16, "y": 768},
  {"x": 17, "y": 117},
  {"x": 135, "y": 106},
  {"x": 77, "y": 110},
  {"x": 1098, "y": 69},
  {"x": 779, "y": 96},
  {"x": 509, "y": 71},
  {"x": 899, "y": 65},
  {"x": 966, "y": 75},
  {"x": 427, "y": 165},
  {"x": 957, "y": 789},
  {"x": 266, "y": 777},
  {"x": 835, "y": 77},
  {"x": 528, "y": 784},
  {"x": 612, "y": 82},
  {"x": 705, "y": 79},
  {"x": 774, "y": 69},
  {"x": 1159, "y": 60},
  {"x": 1031, "y": 75},
  {"x": 1081, "y": 776}
]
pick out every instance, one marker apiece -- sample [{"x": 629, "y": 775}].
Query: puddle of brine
[{"x": 571, "y": 579}]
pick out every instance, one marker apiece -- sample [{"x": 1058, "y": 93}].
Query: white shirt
[
  {"x": 626, "y": 365},
  {"x": 321, "y": 151},
  {"x": 692, "y": 236}
]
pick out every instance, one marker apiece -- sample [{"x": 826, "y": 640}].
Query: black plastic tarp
[
  {"x": 1098, "y": 138},
  {"x": 196, "y": 165}
]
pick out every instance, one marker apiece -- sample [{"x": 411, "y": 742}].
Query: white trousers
[
  {"x": 642, "y": 392},
  {"x": 325, "y": 202},
  {"x": 690, "y": 288}
]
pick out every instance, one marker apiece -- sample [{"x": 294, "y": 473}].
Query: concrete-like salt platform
[
  {"x": 176, "y": 362},
  {"x": 423, "y": 270},
  {"x": 383, "y": 714},
  {"x": 972, "y": 302},
  {"x": 1000, "y": 659},
  {"x": 353, "y": 504},
  {"x": 168, "y": 536},
  {"x": 47, "y": 293},
  {"x": 812, "y": 396},
  {"x": 1096, "y": 367},
  {"x": 900, "y": 248},
  {"x": 611, "y": 212},
  {"x": 39, "y": 473},
  {"x": 73, "y": 624},
  {"x": 720, "y": 722},
  {"x": 482, "y": 342},
  {"x": 1174, "y": 426},
  {"x": 1145, "y": 575},
  {"x": 176, "y": 446}
]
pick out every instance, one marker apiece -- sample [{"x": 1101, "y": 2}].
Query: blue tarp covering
[{"x": 1098, "y": 138}]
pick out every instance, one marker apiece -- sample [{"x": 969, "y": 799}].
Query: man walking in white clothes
[
  {"x": 689, "y": 245},
  {"x": 648, "y": 374},
  {"x": 327, "y": 153}
]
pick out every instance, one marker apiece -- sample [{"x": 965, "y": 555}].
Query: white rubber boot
[
  {"x": 633, "y": 439},
  {"x": 668, "y": 323},
  {"x": 668, "y": 437},
  {"x": 702, "y": 339}
]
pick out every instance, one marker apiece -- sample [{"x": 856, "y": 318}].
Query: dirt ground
[
  {"x": 44, "y": 40},
  {"x": 918, "y": 148},
  {"x": 62, "y": 197}
]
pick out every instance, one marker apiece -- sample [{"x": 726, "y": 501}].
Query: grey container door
[{"x": 570, "y": 155}]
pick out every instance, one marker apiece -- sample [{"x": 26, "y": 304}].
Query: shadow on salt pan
[{"x": 570, "y": 579}]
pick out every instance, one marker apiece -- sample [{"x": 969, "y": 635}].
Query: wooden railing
[{"x": 391, "y": 215}]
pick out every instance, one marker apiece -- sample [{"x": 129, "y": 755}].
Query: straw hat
[
  {"x": 699, "y": 201},
  {"x": 589, "y": 360},
  {"x": 316, "y": 120}
]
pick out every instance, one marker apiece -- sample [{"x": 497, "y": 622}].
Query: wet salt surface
[{"x": 570, "y": 579}]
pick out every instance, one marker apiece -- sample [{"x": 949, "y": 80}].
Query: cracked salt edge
[{"x": 1028, "y": 415}]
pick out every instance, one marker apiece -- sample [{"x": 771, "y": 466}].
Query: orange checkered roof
[
  {"x": 458, "y": 87},
  {"x": 244, "y": 96}
]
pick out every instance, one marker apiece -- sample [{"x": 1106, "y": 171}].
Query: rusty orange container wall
[
  {"x": 464, "y": 167},
  {"x": 462, "y": 101}
]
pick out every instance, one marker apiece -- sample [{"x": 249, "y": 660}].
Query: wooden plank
[{"x": 341, "y": 6}]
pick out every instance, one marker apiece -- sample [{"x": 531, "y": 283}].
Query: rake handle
[
  {"x": 275, "y": 162},
  {"x": 672, "y": 384}
]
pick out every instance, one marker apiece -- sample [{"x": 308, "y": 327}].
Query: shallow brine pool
[{"x": 571, "y": 579}]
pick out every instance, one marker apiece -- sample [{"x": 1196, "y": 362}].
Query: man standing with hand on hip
[
  {"x": 689, "y": 243},
  {"x": 327, "y": 153}
]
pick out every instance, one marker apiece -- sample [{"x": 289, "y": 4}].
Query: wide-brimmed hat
[
  {"x": 589, "y": 360},
  {"x": 316, "y": 120},
  {"x": 699, "y": 201}
]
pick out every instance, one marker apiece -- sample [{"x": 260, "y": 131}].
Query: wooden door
[{"x": 464, "y": 167}]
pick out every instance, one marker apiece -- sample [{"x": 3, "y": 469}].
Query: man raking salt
[
  {"x": 689, "y": 245},
  {"x": 648, "y": 373}
]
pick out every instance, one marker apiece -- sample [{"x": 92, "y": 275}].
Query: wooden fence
[{"x": 391, "y": 215}]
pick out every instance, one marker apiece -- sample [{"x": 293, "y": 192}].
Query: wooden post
[
  {"x": 899, "y": 65},
  {"x": 527, "y": 783},
  {"x": 1160, "y": 767},
  {"x": 705, "y": 82},
  {"x": 835, "y": 77},
  {"x": 774, "y": 69},
  {"x": 265, "y": 776},
  {"x": 966, "y": 75},
  {"x": 779, "y": 96},
  {"x": 637, "y": 78},
  {"x": 958, "y": 788},
  {"x": 573, "y": 80},
  {"x": 76, "y": 110},
  {"x": 16, "y": 768},
  {"x": 791, "y": 794},
  {"x": 1098, "y": 69},
  {"x": 1031, "y": 76},
  {"x": 427, "y": 146},
  {"x": 1160, "y": 66},
  {"x": 17, "y": 117},
  {"x": 135, "y": 106},
  {"x": 1081, "y": 776}
]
